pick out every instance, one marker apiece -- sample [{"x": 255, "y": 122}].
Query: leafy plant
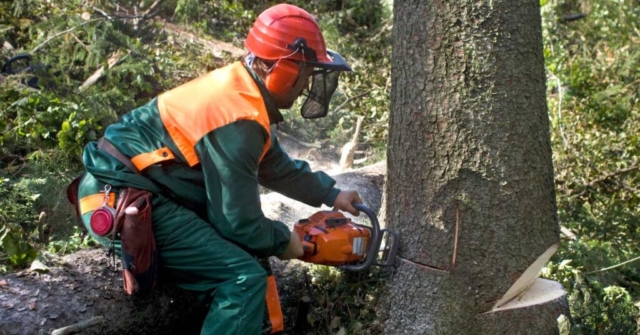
[
  {"x": 18, "y": 221},
  {"x": 591, "y": 53},
  {"x": 78, "y": 241},
  {"x": 344, "y": 302}
]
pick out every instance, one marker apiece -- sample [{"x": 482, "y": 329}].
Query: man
[{"x": 204, "y": 148}]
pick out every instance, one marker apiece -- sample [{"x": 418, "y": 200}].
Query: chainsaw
[{"x": 330, "y": 238}]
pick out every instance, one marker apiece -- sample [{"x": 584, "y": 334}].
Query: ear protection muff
[
  {"x": 283, "y": 76},
  {"x": 284, "y": 73}
]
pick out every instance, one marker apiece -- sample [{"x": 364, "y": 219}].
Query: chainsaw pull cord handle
[{"x": 376, "y": 239}]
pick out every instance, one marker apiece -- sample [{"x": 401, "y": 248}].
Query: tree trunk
[{"x": 470, "y": 179}]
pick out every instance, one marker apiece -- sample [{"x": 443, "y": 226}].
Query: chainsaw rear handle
[{"x": 374, "y": 246}]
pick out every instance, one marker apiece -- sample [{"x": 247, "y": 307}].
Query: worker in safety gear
[{"x": 203, "y": 149}]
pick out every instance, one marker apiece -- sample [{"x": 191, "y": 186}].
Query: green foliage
[
  {"x": 70, "y": 49},
  {"x": 222, "y": 19},
  {"x": 18, "y": 222},
  {"x": 32, "y": 186},
  {"x": 595, "y": 113},
  {"x": 344, "y": 302},
  {"x": 596, "y": 308},
  {"x": 78, "y": 241}
]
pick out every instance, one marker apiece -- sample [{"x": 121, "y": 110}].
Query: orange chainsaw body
[{"x": 330, "y": 238}]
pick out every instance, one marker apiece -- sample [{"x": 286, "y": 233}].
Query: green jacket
[{"x": 223, "y": 188}]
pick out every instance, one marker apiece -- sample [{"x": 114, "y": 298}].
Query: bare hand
[
  {"x": 294, "y": 249},
  {"x": 344, "y": 202}
]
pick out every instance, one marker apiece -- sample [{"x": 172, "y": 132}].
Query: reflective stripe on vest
[
  {"x": 144, "y": 160},
  {"x": 220, "y": 97},
  {"x": 95, "y": 201}
]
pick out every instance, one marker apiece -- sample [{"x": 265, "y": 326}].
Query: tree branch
[
  {"x": 560, "y": 95},
  {"x": 615, "y": 266},
  {"x": 78, "y": 327},
  {"x": 148, "y": 13},
  {"x": 608, "y": 176},
  {"x": 96, "y": 75},
  {"x": 613, "y": 174},
  {"x": 62, "y": 33},
  {"x": 102, "y": 12},
  {"x": 349, "y": 99}
]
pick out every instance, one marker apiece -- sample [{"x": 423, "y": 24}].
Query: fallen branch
[
  {"x": 102, "y": 12},
  {"x": 149, "y": 12},
  {"x": 560, "y": 95},
  {"x": 145, "y": 15},
  {"x": 62, "y": 33},
  {"x": 567, "y": 233},
  {"x": 613, "y": 174},
  {"x": 96, "y": 75},
  {"x": 7, "y": 46},
  {"x": 360, "y": 160},
  {"x": 217, "y": 48},
  {"x": 583, "y": 190},
  {"x": 348, "y": 150},
  {"x": 137, "y": 18},
  {"x": 335, "y": 110},
  {"x": 614, "y": 266},
  {"x": 78, "y": 327}
]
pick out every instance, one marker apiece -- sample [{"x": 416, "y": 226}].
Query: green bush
[
  {"x": 18, "y": 224},
  {"x": 344, "y": 302},
  {"x": 595, "y": 113}
]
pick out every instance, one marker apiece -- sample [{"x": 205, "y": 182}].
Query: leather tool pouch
[
  {"x": 72, "y": 194},
  {"x": 140, "y": 259},
  {"x": 139, "y": 256}
]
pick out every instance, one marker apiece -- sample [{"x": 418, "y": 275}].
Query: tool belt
[{"x": 131, "y": 222}]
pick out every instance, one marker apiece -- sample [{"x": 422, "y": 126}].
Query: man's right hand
[{"x": 294, "y": 249}]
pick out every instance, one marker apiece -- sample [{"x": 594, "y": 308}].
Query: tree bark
[{"x": 470, "y": 179}]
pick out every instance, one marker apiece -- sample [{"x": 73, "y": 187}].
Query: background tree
[{"x": 470, "y": 179}]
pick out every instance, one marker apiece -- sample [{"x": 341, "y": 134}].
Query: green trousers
[{"x": 196, "y": 258}]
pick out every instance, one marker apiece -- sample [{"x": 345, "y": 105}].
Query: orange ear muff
[{"x": 282, "y": 76}]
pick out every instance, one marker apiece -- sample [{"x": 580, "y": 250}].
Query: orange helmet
[{"x": 289, "y": 32}]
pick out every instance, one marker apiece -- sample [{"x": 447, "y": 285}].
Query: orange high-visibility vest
[{"x": 223, "y": 96}]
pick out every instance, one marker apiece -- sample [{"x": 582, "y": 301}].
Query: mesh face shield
[{"x": 316, "y": 105}]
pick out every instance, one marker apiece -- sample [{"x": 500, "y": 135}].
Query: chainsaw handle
[{"x": 374, "y": 246}]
